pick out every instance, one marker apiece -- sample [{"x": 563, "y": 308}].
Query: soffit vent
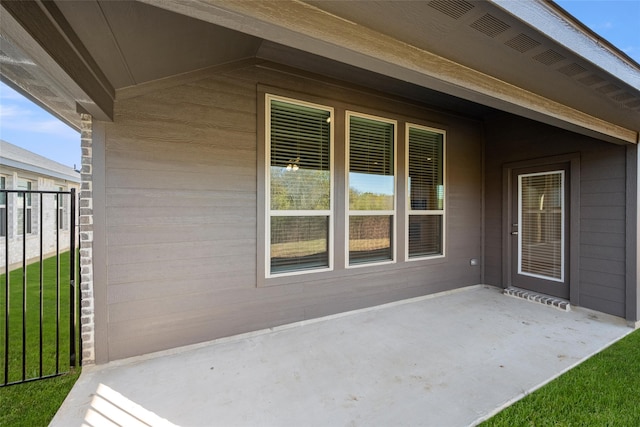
[
  {"x": 549, "y": 57},
  {"x": 591, "y": 80},
  {"x": 58, "y": 105},
  {"x": 622, "y": 97},
  {"x": 633, "y": 104},
  {"x": 42, "y": 91},
  {"x": 572, "y": 69},
  {"x": 453, "y": 8},
  {"x": 18, "y": 71},
  {"x": 490, "y": 25},
  {"x": 522, "y": 43},
  {"x": 608, "y": 88}
]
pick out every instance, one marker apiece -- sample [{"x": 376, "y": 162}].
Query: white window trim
[
  {"x": 562, "y": 227},
  {"x": 409, "y": 211},
  {"x": 348, "y": 212},
  {"x": 267, "y": 195}
]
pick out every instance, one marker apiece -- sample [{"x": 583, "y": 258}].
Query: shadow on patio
[{"x": 451, "y": 359}]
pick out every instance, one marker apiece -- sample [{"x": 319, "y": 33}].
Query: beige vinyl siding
[{"x": 181, "y": 216}]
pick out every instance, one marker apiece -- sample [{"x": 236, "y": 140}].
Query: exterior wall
[
  {"x": 181, "y": 228},
  {"x": 602, "y": 204},
  {"x": 46, "y": 224}
]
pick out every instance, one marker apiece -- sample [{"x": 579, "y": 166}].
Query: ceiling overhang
[
  {"x": 350, "y": 35},
  {"x": 40, "y": 32},
  {"x": 309, "y": 28}
]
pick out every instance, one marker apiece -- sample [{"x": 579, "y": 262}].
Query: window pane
[
  {"x": 425, "y": 235},
  {"x": 426, "y": 190},
  {"x": 20, "y": 220},
  {"x": 3, "y": 196},
  {"x": 301, "y": 189},
  {"x": 371, "y": 164},
  {"x": 541, "y": 225},
  {"x": 370, "y": 239},
  {"x": 299, "y": 243},
  {"x": 300, "y": 157},
  {"x": 3, "y": 221}
]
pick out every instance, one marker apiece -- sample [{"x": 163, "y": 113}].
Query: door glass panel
[{"x": 541, "y": 225}]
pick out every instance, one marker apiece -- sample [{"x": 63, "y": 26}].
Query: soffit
[
  {"x": 369, "y": 80},
  {"x": 135, "y": 43},
  {"x": 486, "y": 38},
  {"x": 19, "y": 71}
]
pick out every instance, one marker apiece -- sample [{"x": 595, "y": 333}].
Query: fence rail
[{"x": 35, "y": 326}]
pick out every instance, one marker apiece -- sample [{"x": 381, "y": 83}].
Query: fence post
[{"x": 6, "y": 290}]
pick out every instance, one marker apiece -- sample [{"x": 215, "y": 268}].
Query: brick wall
[{"x": 86, "y": 243}]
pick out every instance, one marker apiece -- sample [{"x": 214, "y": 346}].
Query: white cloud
[
  {"x": 6, "y": 93},
  {"x": 16, "y": 118}
]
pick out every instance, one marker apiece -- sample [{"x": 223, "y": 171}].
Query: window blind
[
  {"x": 299, "y": 187},
  {"x": 541, "y": 225},
  {"x": 426, "y": 192},
  {"x": 425, "y": 169},
  {"x": 425, "y": 235},
  {"x": 299, "y": 243},
  {"x": 300, "y": 136},
  {"x": 372, "y": 189},
  {"x": 370, "y": 146}
]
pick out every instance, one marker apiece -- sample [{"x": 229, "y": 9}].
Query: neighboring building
[
  {"x": 21, "y": 169},
  {"x": 251, "y": 164}
]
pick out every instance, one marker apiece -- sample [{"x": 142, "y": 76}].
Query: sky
[{"x": 25, "y": 124}]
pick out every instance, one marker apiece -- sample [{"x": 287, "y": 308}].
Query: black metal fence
[{"x": 40, "y": 300}]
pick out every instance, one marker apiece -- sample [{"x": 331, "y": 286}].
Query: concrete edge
[
  {"x": 89, "y": 369},
  {"x": 542, "y": 384}
]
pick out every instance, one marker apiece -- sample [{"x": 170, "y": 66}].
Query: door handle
[{"x": 515, "y": 233}]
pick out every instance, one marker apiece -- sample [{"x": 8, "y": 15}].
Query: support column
[{"x": 87, "y": 314}]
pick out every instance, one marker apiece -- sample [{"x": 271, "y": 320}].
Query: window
[
  {"x": 425, "y": 181},
  {"x": 24, "y": 202},
  {"x": 299, "y": 198},
  {"x": 371, "y": 189},
  {"x": 63, "y": 221},
  {"x": 332, "y": 197},
  {"x": 3, "y": 207}
]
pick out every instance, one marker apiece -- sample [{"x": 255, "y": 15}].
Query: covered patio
[{"x": 449, "y": 359}]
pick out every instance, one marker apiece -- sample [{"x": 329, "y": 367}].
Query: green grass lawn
[
  {"x": 602, "y": 391},
  {"x": 35, "y": 403}
]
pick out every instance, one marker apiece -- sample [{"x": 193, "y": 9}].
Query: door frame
[{"x": 573, "y": 162}]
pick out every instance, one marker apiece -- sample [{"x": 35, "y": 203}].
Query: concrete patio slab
[{"x": 447, "y": 360}]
